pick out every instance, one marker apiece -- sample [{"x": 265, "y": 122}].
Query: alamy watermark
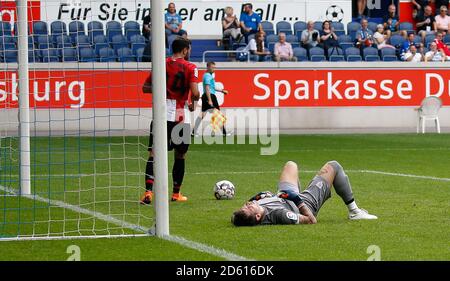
[{"x": 250, "y": 126}]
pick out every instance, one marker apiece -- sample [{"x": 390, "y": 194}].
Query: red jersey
[
  {"x": 441, "y": 45},
  {"x": 179, "y": 75}
]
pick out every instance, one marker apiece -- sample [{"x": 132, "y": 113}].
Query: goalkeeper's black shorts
[
  {"x": 205, "y": 104},
  {"x": 180, "y": 139}
]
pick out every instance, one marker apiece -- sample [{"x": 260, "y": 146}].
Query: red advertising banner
[
  {"x": 248, "y": 88},
  {"x": 8, "y": 11}
]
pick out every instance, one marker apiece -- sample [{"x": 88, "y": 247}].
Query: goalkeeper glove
[
  {"x": 262, "y": 195},
  {"x": 290, "y": 195}
]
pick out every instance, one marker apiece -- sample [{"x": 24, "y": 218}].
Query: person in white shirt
[
  {"x": 434, "y": 54},
  {"x": 256, "y": 48},
  {"x": 381, "y": 38},
  {"x": 412, "y": 55}
]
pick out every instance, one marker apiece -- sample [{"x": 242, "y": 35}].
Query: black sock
[
  {"x": 224, "y": 131},
  {"x": 177, "y": 174},
  {"x": 149, "y": 177}
]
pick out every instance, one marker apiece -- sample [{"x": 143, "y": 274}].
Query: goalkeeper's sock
[
  {"x": 198, "y": 121},
  {"x": 178, "y": 174},
  {"x": 342, "y": 186},
  {"x": 224, "y": 131},
  {"x": 149, "y": 177}
]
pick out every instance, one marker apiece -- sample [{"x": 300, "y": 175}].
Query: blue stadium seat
[
  {"x": 137, "y": 42},
  {"x": 82, "y": 41},
  {"x": 406, "y": 26},
  {"x": 318, "y": 25},
  {"x": 301, "y": 54},
  {"x": 271, "y": 38},
  {"x": 241, "y": 56},
  {"x": 87, "y": 55},
  {"x": 396, "y": 40},
  {"x": 388, "y": 54},
  {"x": 125, "y": 55},
  {"x": 43, "y": 41},
  {"x": 34, "y": 56},
  {"x": 335, "y": 52},
  {"x": 447, "y": 39},
  {"x": 95, "y": 28},
  {"x": 100, "y": 42},
  {"x": 139, "y": 53},
  {"x": 284, "y": 26},
  {"x": 63, "y": 41},
  {"x": 267, "y": 26},
  {"x": 353, "y": 54},
  {"x": 299, "y": 26},
  {"x": 49, "y": 55},
  {"x": 69, "y": 54},
  {"x": 370, "y": 54},
  {"x": 428, "y": 39},
  {"x": 336, "y": 58},
  {"x": 372, "y": 26},
  {"x": 339, "y": 28},
  {"x": 316, "y": 54},
  {"x": 5, "y": 28},
  {"x": 8, "y": 55},
  {"x": 57, "y": 28},
  {"x": 119, "y": 41},
  {"x": 292, "y": 38},
  {"x": 418, "y": 40},
  {"x": 352, "y": 28},
  {"x": 131, "y": 28},
  {"x": 31, "y": 43},
  {"x": 345, "y": 39},
  {"x": 76, "y": 28},
  {"x": 40, "y": 28},
  {"x": 113, "y": 28},
  {"x": 107, "y": 55},
  {"x": 7, "y": 42}
]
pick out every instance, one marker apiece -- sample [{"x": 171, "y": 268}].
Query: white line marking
[
  {"x": 405, "y": 175},
  {"x": 176, "y": 239},
  {"x": 204, "y": 248}
]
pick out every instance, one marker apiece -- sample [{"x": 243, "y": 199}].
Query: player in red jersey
[{"x": 182, "y": 79}]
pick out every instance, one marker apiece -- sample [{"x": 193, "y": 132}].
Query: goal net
[{"x": 89, "y": 120}]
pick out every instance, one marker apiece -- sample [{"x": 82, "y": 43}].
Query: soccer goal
[{"x": 74, "y": 123}]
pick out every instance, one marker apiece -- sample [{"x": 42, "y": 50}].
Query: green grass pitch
[{"x": 414, "y": 211}]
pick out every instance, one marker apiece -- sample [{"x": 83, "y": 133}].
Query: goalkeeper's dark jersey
[{"x": 278, "y": 211}]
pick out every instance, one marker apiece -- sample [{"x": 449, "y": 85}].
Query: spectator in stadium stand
[
  {"x": 441, "y": 45},
  {"x": 250, "y": 21},
  {"x": 174, "y": 23},
  {"x": 408, "y": 43},
  {"x": 440, "y": 3},
  {"x": 380, "y": 38},
  {"x": 310, "y": 36},
  {"x": 329, "y": 39},
  {"x": 419, "y": 8},
  {"x": 364, "y": 35},
  {"x": 283, "y": 50},
  {"x": 443, "y": 20},
  {"x": 361, "y": 7},
  {"x": 147, "y": 27},
  {"x": 434, "y": 54},
  {"x": 256, "y": 47},
  {"x": 426, "y": 23},
  {"x": 231, "y": 25},
  {"x": 392, "y": 23},
  {"x": 412, "y": 55}
]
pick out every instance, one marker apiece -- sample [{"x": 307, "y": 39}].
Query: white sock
[{"x": 352, "y": 206}]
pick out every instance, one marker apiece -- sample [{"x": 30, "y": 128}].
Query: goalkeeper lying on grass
[{"x": 290, "y": 206}]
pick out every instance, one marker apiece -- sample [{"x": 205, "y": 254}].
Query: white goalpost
[{"x": 74, "y": 123}]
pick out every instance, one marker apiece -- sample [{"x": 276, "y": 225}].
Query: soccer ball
[
  {"x": 224, "y": 190},
  {"x": 335, "y": 13}
]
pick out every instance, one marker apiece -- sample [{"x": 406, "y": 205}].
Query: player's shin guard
[
  {"x": 341, "y": 183},
  {"x": 178, "y": 174},
  {"x": 149, "y": 177}
]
